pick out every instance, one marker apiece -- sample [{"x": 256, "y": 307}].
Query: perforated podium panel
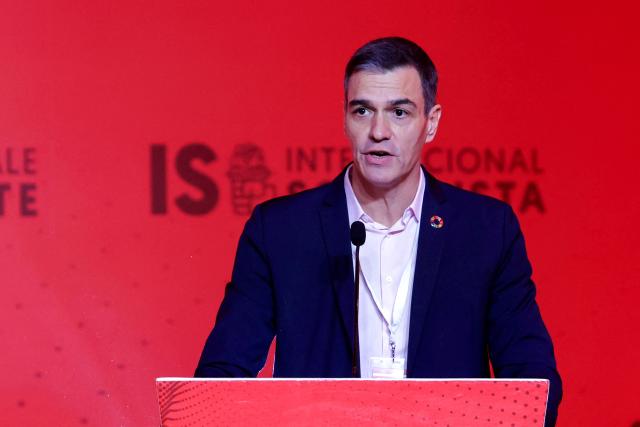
[{"x": 316, "y": 402}]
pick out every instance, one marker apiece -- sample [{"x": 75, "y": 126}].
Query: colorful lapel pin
[{"x": 436, "y": 222}]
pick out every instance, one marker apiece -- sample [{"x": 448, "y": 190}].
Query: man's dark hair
[{"x": 389, "y": 53}]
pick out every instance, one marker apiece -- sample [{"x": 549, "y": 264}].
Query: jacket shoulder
[
  {"x": 474, "y": 208},
  {"x": 296, "y": 204}
]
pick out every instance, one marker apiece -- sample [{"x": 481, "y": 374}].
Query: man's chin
[
  {"x": 382, "y": 181},
  {"x": 381, "y": 178}
]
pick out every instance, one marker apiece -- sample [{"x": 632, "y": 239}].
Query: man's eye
[
  {"x": 398, "y": 112},
  {"x": 361, "y": 111}
]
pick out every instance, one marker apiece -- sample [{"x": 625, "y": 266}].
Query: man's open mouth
[{"x": 378, "y": 153}]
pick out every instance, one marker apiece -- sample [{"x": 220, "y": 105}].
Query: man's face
[{"x": 386, "y": 124}]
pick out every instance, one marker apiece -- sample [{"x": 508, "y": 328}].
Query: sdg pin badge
[{"x": 436, "y": 222}]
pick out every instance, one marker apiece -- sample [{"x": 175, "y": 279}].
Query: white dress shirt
[{"x": 387, "y": 261}]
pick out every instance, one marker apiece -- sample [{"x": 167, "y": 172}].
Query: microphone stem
[{"x": 356, "y": 339}]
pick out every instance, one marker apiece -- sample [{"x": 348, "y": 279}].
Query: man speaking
[{"x": 443, "y": 285}]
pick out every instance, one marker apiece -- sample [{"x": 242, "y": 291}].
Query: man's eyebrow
[
  {"x": 394, "y": 103},
  {"x": 355, "y": 102},
  {"x": 403, "y": 101}
]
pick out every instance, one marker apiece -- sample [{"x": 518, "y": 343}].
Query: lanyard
[{"x": 401, "y": 299}]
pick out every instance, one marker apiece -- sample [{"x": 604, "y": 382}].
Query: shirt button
[{"x": 388, "y": 279}]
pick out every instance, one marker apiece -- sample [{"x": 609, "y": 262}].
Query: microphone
[{"x": 358, "y": 236}]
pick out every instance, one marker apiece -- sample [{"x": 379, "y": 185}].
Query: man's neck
[{"x": 385, "y": 205}]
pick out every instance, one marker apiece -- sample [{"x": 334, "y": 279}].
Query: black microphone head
[{"x": 358, "y": 233}]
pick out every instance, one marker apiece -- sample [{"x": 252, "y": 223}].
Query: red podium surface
[{"x": 441, "y": 402}]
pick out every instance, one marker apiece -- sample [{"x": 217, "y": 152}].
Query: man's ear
[{"x": 433, "y": 118}]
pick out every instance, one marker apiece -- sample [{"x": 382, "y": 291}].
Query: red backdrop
[{"x": 135, "y": 136}]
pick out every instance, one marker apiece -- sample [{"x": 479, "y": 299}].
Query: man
[{"x": 445, "y": 283}]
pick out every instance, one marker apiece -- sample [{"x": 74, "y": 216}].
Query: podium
[{"x": 316, "y": 402}]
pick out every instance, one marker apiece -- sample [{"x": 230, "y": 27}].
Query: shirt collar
[{"x": 356, "y": 213}]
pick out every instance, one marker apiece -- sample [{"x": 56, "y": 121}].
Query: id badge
[{"x": 388, "y": 368}]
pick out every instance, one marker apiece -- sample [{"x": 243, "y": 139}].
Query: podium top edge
[{"x": 189, "y": 379}]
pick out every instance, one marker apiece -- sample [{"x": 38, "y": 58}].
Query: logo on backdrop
[
  {"x": 248, "y": 178},
  {"x": 18, "y": 188},
  {"x": 185, "y": 168},
  {"x": 510, "y": 174}
]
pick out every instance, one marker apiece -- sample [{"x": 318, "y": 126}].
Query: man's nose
[{"x": 380, "y": 130}]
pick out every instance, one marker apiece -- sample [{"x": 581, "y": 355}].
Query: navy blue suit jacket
[{"x": 473, "y": 299}]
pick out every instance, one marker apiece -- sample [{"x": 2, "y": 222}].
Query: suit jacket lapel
[
  {"x": 335, "y": 229},
  {"x": 430, "y": 243}
]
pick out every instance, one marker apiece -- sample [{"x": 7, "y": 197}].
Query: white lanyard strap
[{"x": 402, "y": 296}]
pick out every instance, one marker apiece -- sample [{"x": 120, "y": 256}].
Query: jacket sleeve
[
  {"x": 245, "y": 326},
  {"x": 519, "y": 344}
]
